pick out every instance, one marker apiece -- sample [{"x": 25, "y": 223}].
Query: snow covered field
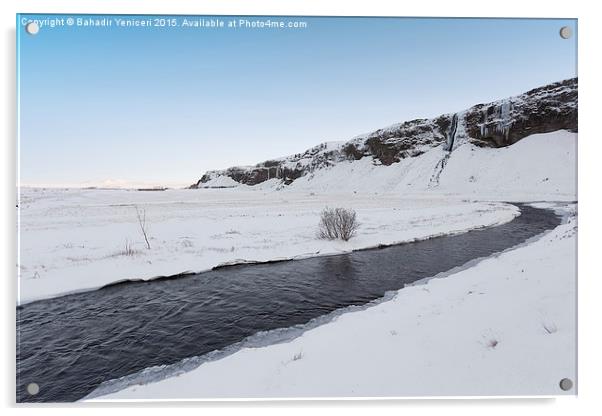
[
  {"x": 503, "y": 327},
  {"x": 73, "y": 240}
]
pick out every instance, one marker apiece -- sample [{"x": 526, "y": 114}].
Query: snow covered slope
[
  {"x": 417, "y": 153},
  {"x": 539, "y": 167}
]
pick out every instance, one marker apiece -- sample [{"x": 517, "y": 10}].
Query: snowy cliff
[{"x": 497, "y": 124}]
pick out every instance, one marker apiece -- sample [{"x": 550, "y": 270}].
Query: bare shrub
[
  {"x": 337, "y": 223},
  {"x": 141, "y": 214},
  {"x": 186, "y": 243},
  {"x": 127, "y": 250}
]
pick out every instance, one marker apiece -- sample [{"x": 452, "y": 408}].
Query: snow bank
[
  {"x": 539, "y": 167},
  {"x": 427, "y": 340},
  {"x": 73, "y": 240}
]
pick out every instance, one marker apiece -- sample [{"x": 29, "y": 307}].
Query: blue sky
[{"x": 162, "y": 105}]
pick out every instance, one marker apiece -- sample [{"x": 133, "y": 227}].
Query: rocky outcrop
[
  {"x": 541, "y": 110},
  {"x": 286, "y": 169},
  {"x": 497, "y": 124}
]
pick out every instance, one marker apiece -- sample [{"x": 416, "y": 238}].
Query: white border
[{"x": 589, "y": 176}]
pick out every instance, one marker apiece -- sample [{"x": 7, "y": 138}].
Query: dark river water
[{"x": 71, "y": 344}]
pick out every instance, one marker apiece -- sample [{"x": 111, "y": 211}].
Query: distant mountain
[{"x": 493, "y": 125}]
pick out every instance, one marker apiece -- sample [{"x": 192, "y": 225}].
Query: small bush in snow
[
  {"x": 337, "y": 223},
  {"x": 128, "y": 250}
]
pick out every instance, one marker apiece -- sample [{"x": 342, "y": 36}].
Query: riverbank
[
  {"x": 503, "y": 327},
  {"x": 81, "y": 239}
]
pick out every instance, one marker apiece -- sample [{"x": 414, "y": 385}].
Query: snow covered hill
[
  {"x": 540, "y": 167},
  {"x": 518, "y": 144}
]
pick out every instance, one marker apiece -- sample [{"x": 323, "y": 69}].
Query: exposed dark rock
[
  {"x": 541, "y": 110},
  {"x": 352, "y": 152}
]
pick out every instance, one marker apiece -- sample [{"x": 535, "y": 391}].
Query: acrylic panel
[{"x": 226, "y": 207}]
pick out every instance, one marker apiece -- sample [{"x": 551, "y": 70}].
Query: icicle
[
  {"x": 504, "y": 123},
  {"x": 483, "y": 125}
]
